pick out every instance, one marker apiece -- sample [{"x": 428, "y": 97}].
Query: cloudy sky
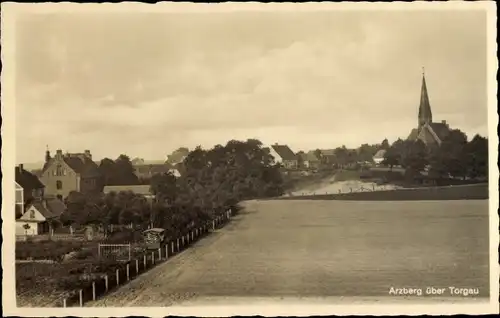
[{"x": 145, "y": 84}]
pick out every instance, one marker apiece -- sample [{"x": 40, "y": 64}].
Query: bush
[{"x": 50, "y": 250}]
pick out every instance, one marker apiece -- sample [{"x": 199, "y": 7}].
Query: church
[{"x": 429, "y": 132}]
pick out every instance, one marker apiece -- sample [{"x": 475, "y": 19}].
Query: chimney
[
  {"x": 88, "y": 154},
  {"x": 21, "y": 167}
]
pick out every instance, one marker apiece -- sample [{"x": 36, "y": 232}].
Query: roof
[
  {"x": 413, "y": 134},
  {"x": 284, "y": 152},
  {"x": 424, "y": 110},
  {"x": 327, "y": 152},
  {"x": 440, "y": 129},
  {"x": 53, "y": 208},
  {"x": 78, "y": 163},
  {"x": 380, "y": 154},
  {"x": 139, "y": 189},
  {"x": 27, "y": 180},
  {"x": 153, "y": 169},
  {"x": 310, "y": 156}
]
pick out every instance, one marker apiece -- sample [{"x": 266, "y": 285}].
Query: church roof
[
  {"x": 413, "y": 134},
  {"x": 440, "y": 129},
  {"x": 424, "y": 110}
]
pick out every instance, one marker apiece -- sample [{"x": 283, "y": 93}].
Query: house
[
  {"x": 145, "y": 172},
  {"x": 429, "y": 132},
  {"x": 144, "y": 190},
  {"x": 19, "y": 209},
  {"x": 70, "y": 172},
  {"x": 284, "y": 155},
  {"x": 379, "y": 156},
  {"x": 309, "y": 160},
  {"x": 32, "y": 187},
  {"x": 328, "y": 156},
  {"x": 38, "y": 216}
]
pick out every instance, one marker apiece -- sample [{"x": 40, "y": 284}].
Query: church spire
[{"x": 424, "y": 111}]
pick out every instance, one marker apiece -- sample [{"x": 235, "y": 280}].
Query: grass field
[{"x": 325, "y": 249}]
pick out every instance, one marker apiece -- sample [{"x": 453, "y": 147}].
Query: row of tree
[
  {"x": 213, "y": 180},
  {"x": 455, "y": 157}
]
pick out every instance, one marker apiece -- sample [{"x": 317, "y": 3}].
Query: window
[
  {"x": 59, "y": 170},
  {"x": 59, "y": 185},
  {"x": 59, "y": 197}
]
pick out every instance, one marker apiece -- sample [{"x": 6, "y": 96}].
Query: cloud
[{"x": 145, "y": 84}]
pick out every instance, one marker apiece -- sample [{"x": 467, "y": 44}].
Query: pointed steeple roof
[{"x": 424, "y": 111}]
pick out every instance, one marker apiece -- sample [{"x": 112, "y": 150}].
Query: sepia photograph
[{"x": 249, "y": 159}]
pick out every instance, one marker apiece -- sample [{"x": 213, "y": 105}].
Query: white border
[{"x": 9, "y": 11}]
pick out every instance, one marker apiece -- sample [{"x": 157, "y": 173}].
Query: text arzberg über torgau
[{"x": 435, "y": 291}]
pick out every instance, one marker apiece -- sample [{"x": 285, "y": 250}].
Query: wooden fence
[{"x": 133, "y": 268}]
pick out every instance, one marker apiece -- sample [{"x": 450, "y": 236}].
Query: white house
[
  {"x": 19, "y": 200},
  {"x": 36, "y": 219},
  {"x": 284, "y": 155},
  {"x": 379, "y": 156}
]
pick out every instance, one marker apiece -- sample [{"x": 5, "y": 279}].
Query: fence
[
  {"x": 132, "y": 268},
  {"x": 119, "y": 252}
]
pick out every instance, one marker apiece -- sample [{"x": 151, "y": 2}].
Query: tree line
[
  {"x": 455, "y": 157},
  {"x": 213, "y": 180}
]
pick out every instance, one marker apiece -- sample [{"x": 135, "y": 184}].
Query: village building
[
  {"x": 429, "y": 132},
  {"x": 309, "y": 160},
  {"x": 144, "y": 190},
  {"x": 69, "y": 172},
  {"x": 283, "y": 155},
  {"x": 379, "y": 156},
  {"x": 38, "y": 217},
  {"x": 28, "y": 185}
]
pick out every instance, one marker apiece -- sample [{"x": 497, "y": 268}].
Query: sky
[{"x": 145, "y": 84}]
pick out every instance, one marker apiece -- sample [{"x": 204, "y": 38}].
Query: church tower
[{"x": 424, "y": 110}]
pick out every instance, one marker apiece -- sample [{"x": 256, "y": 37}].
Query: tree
[
  {"x": 385, "y": 144},
  {"x": 476, "y": 152},
  {"x": 414, "y": 157},
  {"x": 300, "y": 158},
  {"x": 393, "y": 155}
]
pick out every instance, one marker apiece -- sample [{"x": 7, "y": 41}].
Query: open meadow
[{"x": 316, "y": 249}]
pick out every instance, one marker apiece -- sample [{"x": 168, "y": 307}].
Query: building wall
[
  {"x": 277, "y": 158},
  {"x": 70, "y": 180},
  {"x": 290, "y": 164},
  {"x": 33, "y": 230}
]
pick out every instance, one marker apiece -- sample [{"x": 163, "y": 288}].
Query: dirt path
[{"x": 324, "y": 250}]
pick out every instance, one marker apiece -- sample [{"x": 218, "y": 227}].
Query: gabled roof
[
  {"x": 153, "y": 169},
  {"x": 53, "y": 208},
  {"x": 310, "y": 156},
  {"x": 78, "y": 163},
  {"x": 27, "y": 180},
  {"x": 327, "y": 152},
  {"x": 380, "y": 154},
  {"x": 284, "y": 152},
  {"x": 440, "y": 129},
  {"x": 138, "y": 189},
  {"x": 413, "y": 134}
]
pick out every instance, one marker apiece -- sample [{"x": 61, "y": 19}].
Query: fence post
[
  {"x": 145, "y": 264},
  {"x": 128, "y": 272},
  {"x": 159, "y": 254},
  {"x": 93, "y": 290},
  {"x": 117, "y": 277},
  {"x": 153, "y": 258},
  {"x": 99, "y": 250},
  {"x": 166, "y": 251},
  {"x": 183, "y": 241},
  {"x": 172, "y": 248},
  {"x": 137, "y": 267},
  {"x": 192, "y": 235},
  {"x": 177, "y": 244},
  {"x": 80, "y": 292},
  {"x": 129, "y": 252},
  {"x": 64, "y": 302},
  {"x": 213, "y": 225},
  {"x": 106, "y": 282}
]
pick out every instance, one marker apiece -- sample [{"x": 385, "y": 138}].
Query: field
[{"x": 319, "y": 249}]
